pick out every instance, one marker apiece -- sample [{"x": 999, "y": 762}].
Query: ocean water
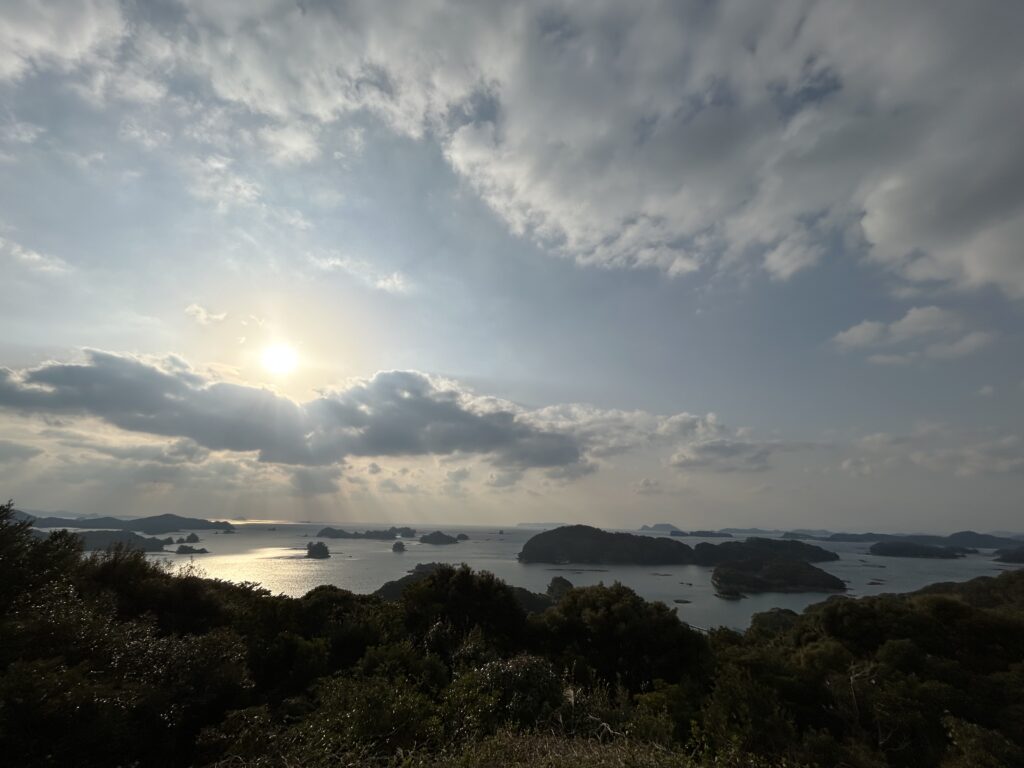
[{"x": 273, "y": 554}]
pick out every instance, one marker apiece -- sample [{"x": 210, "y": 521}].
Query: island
[
  {"x": 702, "y": 534},
  {"x": 398, "y": 547},
  {"x": 185, "y": 549},
  {"x": 960, "y": 539},
  {"x": 760, "y": 548},
  {"x": 99, "y": 540},
  {"x": 912, "y": 549},
  {"x": 462, "y": 537},
  {"x": 660, "y": 528},
  {"x": 385, "y": 535},
  {"x": 438, "y": 538},
  {"x": 152, "y": 525},
  {"x": 589, "y": 545},
  {"x": 1011, "y": 555},
  {"x": 190, "y": 539},
  {"x": 317, "y": 550},
  {"x": 586, "y": 544},
  {"x": 757, "y": 575}
]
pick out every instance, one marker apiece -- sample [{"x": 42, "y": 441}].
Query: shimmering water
[{"x": 276, "y": 559}]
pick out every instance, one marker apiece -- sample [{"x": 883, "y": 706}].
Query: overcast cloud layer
[{"x": 805, "y": 216}]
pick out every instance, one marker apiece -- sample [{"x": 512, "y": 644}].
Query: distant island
[
  {"x": 1011, "y": 555},
  {"x": 703, "y": 534},
  {"x": 589, "y": 545},
  {"x": 385, "y": 535},
  {"x": 317, "y": 550},
  {"x": 965, "y": 539},
  {"x": 673, "y": 530},
  {"x": 151, "y": 525},
  {"x": 99, "y": 540},
  {"x": 438, "y": 538},
  {"x": 913, "y": 549},
  {"x": 398, "y": 547},
  {"x": 777, "y": 575}
]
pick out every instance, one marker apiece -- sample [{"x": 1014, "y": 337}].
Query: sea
[{"x": 273, "y": 555}]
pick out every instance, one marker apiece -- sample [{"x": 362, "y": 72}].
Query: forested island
[
  {"x": 112, "y": 659},
  {"x": 913, "y": 549},
  {"x": 438, "y": 538},
  {"x": 385, "y": 535},
  {"x": 317, "y": 550},
  {"x": 588, "y": 545},
  {"x": 1011, "y": 555},
  {"x": 155, "y": 524},
  {"x": 775, "y": 575}
]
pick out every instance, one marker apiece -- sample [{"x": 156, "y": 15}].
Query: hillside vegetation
[{"x": 111, "y": 659}]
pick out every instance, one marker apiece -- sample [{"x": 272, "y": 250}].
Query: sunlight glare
[{"x": 280, "y": 359}]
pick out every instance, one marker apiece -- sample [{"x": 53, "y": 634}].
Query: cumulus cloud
[
  {"x": 930, "y": 333},
  {"x": 390, "y": 415}
]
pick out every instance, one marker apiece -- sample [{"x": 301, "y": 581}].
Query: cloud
[
  {"x": 182, "y": 451},
  {"x": 504, "y": 480},
  {"x": 393, "y": 414},
  {"x": 32, "y": 260},
  {"x": 723, "y": 455},
  {"x": 941, "y": 450},
  {"x": 204, "y": 316},
  {"x": 11, "y": 452},
  {"x": 676, "y": 137},
  {"x": 60, "y": 35},
  {"x": 389, "y": 485},
  {"x": 333, "y": 261},
  {"x": 991, "y": 457},
  {"x": 315, "y": 481},
  {"x": 457, "y": 475},
  {"x": 684, "y": 138},
  {"x": 212, "y": 178},
  {"x": 290, "y": 144},
  {"x": 929, "y": 333},
  {"x": 647, "y": 487},
  {"x": 961, "y": 347},
  {"x": 18, "y": 132}
]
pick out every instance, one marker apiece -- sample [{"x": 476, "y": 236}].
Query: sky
[{"x": 711, "y": 263}]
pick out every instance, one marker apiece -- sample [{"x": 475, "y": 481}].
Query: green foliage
[
  {"x": 521, "y": 692},
  {"x": 112, "y": 659},
  {"x": 621, "y": 637}
]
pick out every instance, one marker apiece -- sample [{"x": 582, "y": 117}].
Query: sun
[{"x": 280, "y": 359}]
